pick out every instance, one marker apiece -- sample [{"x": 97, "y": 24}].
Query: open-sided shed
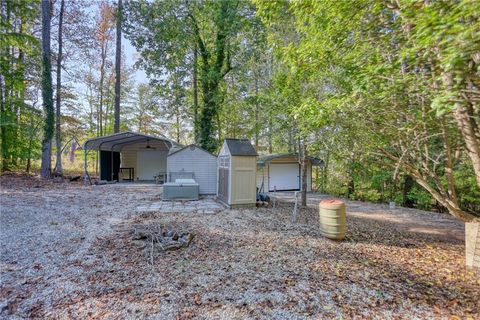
[
  {"x": 283, "y": 172},
  {"x": 129, "y": 156},
  {"x": 200, "y": 163},
  {"x": 236, "y": 173}
]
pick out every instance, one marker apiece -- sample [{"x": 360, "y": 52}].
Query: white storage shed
[{"x": 193, "y": 162}]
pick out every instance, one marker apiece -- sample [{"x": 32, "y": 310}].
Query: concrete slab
[{"x": 206, "y": 205}]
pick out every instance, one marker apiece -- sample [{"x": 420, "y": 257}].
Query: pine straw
[{"x": 253, "y": 263}]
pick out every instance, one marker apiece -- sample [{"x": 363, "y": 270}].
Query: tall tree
[
  {"x": 363, "y": 76},
  {"x": 19, "y": 72},
  {"x": 118, "y": 57},
  {"x": 104, "y": 37},
  {"x": 212, "y": 72},
  {"x": 195, "y": 95},
  {"x": 445, "y": 35},
  {"x": 47, "y": 93},
  {"x": 167, "y": 33},
  {"x": 58, "y": 134}
]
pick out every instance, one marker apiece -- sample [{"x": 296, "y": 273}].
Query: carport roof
[
  {"x": 116, "y": 141},
  {"x": 263, "y": 160}
]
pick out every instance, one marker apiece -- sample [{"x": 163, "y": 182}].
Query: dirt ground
[{"x": 67, "y": 252}]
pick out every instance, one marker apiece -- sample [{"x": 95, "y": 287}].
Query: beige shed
[{"x": 237, "y": 163}]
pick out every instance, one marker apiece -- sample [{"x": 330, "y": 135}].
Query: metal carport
[{"x": 115, "y": 142}]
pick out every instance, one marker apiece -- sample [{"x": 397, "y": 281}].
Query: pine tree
[{"x": 47, "y": 93}]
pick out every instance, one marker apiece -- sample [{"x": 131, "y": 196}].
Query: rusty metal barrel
[{"x": 333, "y": 219}]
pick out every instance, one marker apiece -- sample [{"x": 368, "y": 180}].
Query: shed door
[
  {"x": 150, "y": 163},
  {"x": 109, "y": 165},
  {"x": 284, "y": 176},
  {"x": 223, "y": 184}
]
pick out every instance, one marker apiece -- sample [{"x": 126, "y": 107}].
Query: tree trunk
[
  {"x": 58, "y": 137},
  {"x": 177, "y": 123},
  {"x": 47, "y": 93},
  {"x": 208, "y": 116},
  {"x": 102, "y": 80},
  {"x": 20, "y": 94},
  {"x": 5, "y": 50},
  {"x": 449, "y": 163},
  {"x": 351, "y": 182},
  {"x": 31, "y": 136},
  {"x": 118, "y": 57},
  {"x": 256, "y": 126},
  {"x": 107, "y": 105},
  {"x": 195, "y": 96},
  {"x": 452, "y": 207},
  {"x": 466, "y": 125},
  {"x": 212, "y": 74},
  {"x": 325, "y": 172},
  {"x": 290, "y": 141},
  {"x": 303, "y": 148},
  {"x": 3, "y": 130},
  {"x": 351, "y": 187},
  {"x": 407, "y": 187},
  {"x": 270, "y": 134}
]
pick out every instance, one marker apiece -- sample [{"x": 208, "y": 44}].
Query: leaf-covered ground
[{"x": 67, "y": 252}]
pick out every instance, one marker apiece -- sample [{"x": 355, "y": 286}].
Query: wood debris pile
[{"x": 160, "y": 238}]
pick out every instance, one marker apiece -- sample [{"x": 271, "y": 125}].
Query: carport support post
[
  {"x": 111, "y": 165},
  {"x": 86, "y": 178},
  {"x": 294, "y": 212}
]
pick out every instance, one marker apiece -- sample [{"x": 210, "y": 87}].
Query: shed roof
[
  {"x": 240, "y": 147},
  {"x": 264, "y": 159},
  {"x": 176, "y": 149},
  {"x": 115, "y": 142}
]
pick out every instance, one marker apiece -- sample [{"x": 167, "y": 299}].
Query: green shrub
[
  {"x": 371, "y": 195},
  {"x": 421, "y": 198}
]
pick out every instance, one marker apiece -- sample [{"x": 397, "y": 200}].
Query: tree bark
[
  {"x": 195, "y": 95},
  {"x": 407, "y": 187},
  {"x": 449, "y": 163},
  {"x": 303, "y": 155},
  {"x": 4, "y": 92},
  {"x": 107, "y": 105},
  {"x": 102, "y": 80},
  {"x": 351, "y": 182},
  {"x": 325, "y": 172},
  {"x": 3, "y": 130},
  {"x": 58, "y": 137},
  {"x": 177, "y": 122},
  {"x": 467, "y": 127},
  {"x": 47, "y": 93},
  {"x": 118, "y": 57},
  {"x": 20, "y": 92},
  {"x": 270, "y": 134},
  {"x": 211, "y": 75},
  {"x": 256, "y": 113}
]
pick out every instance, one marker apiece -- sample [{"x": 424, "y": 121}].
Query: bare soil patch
[{"x": 67, "y": 252}]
